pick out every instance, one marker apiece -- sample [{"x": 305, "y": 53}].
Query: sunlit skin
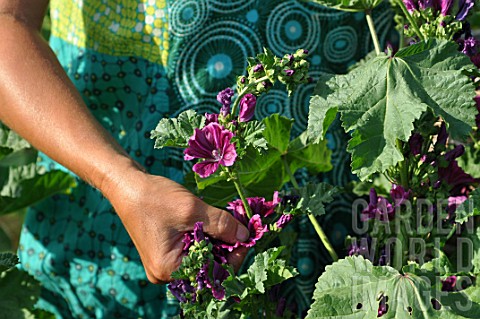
[{"x": 39, "y": 102}]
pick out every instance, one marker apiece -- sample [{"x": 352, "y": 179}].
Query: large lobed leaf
[
  {"x": 380, "y": 100},
  {"x": 353, "y": 288}
]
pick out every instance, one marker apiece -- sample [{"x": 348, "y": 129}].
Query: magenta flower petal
[
  {"x": 238, "y": 211},
  {"x": 213, "y": 144},
  {"x": 205, "y": 168},
  {"x": 247, "y": 107}
]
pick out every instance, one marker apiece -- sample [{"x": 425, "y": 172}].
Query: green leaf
[
  {"x": 350, "y": 5},
  {"x": 176, "y": 132},
  {"x": 7, "y": 261},
  {"x": 21, "y": 157},
  {"x": 352, "y": 288},
  {"x": 314, "y": 197},
  {"x": 380, "y": 100},
  {"x": 266, "y": 271},
  {"x": 253, "y": 135},
  {"x": 11, "y": 140},
  {"x": 469, "y": 208},
  {"x": 18, "y": 294},
  {"x": 277, "y": 132},
  {"x": 32, "y": 190},
  {"x": 316, "y": 157}
]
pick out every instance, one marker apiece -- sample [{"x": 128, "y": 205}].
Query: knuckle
[{"x": 223, "y": 223}]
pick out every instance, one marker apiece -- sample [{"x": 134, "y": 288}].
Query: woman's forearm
[{"x": 38, "y": 101}]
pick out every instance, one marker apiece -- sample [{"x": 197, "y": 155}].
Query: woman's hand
[{"x": 157, "y": 212}]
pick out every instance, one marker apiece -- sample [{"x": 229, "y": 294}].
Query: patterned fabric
[{"x": 136, "y": 62}]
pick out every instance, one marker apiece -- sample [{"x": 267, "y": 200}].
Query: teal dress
[{"x": 135, "y": 62}]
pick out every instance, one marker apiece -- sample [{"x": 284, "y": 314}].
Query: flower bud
[{"x": 247, "y": 107}]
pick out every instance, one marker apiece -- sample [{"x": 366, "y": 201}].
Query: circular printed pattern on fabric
[
  {"x": 338, "y": 44},
  {"x": 229, "y": 6},
  {"x": 186, "y": 16},
  {"x": 208, "y": 62},
  {"x": 201, "y": 107},
  {"x": 276, "y": 101},
  {"x": 290, "y": 27}
]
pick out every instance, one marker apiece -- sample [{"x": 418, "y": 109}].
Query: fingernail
[{"x": 242, "y": 233}]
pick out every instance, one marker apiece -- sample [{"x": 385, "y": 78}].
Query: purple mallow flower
[
  {"x": 379, "y": 208},
  {"x": 256, "y": 229},
  {"x": 449, "y": 283},
  {"x": 410, "y": 4},
  {"x": 181, "y": 289},
  {"x": 399, "y": 195},
  {"x": 247, "y": 107},
  {"x": 211, "y": 118},
  {"x": 415, "y": 142},
  {"x": 219, "y": 276},
  {"x": 289, "y": 72},
  {"x": 225, "y": 97},
  {"x": 258, "y": 68},
  {"x": 464, "y": 7},
  {"x": 284, "y": 220},
  {"x": 212, "y": 144}
]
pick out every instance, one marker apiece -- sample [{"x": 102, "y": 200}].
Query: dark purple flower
[
  {"x": 225, "y": 97},
  {"x": 445, "y": 6},
  {"x": 187, "y": 241},
  {"x": 399, "y": 195},
  {"x": 256, "y": 228},
  {"x": 219, "y": 276},
  {"x": 305, "y": 51},
  {"x": 416, "y": 142},
  {"x": 263, "y": 208},
  {"x": 378, "y": 208},
  {"x": 468, "y": 45},
  {"x": 213, "y": 144},
  {"x": 454, "y": 202},
  {"x": 198, "y": 234},
  {"x": 424, "y": 4},
  {"x": 449, "y": 283},
  {"x": 284, "y": 220},
  {"x": 202, "y": 277},
  {"x": 247, "y": 107},
  {"x": 211, "y": 118},
  {"x": 442, "y": 135},
  {"x": 464, "y": 9},
  {"x": 289, "y": 72},
  {"x": 243, "y": 80},
  {"x": 410, "y": 4},
  {"x": 456, "y": 178},
  {"x": 180, "y": 288},
  {"x": 238, "y": 211},
  {"x": 258, "y": 68},
  {"x": 455, "y": 153},
  {"x": 267, "y": 84}
]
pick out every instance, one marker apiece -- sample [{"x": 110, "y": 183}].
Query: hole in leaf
[
  {"x": 435, "y": 304},
  {"x": 382, "y": 306},
  {"x": 359, "y": 306},
  {"x": 409, "y": 309}
]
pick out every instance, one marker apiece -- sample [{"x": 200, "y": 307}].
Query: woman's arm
[{"x": 39, "y": 102}]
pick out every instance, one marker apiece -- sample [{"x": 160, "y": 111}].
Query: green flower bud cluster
[
  {"x": 264, "y": 70},
  {"x": 434, "y": 25},
  {"x": 198, "y": 254}
]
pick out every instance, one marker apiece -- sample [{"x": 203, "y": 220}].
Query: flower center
[{"x": 217, "y": 155}]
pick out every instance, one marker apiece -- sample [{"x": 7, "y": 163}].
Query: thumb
[{"x": 223, "y": 226}]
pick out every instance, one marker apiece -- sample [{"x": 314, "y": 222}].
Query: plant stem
[
  {"x": 412, "y": 23},
  {"x": 371, "y": 27},
  {"x": 321, "y": 234},
  {"x": 238, "y": 186},
  {"x": 244, "y": 91},
  {"x": 403, "y": 167}
]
